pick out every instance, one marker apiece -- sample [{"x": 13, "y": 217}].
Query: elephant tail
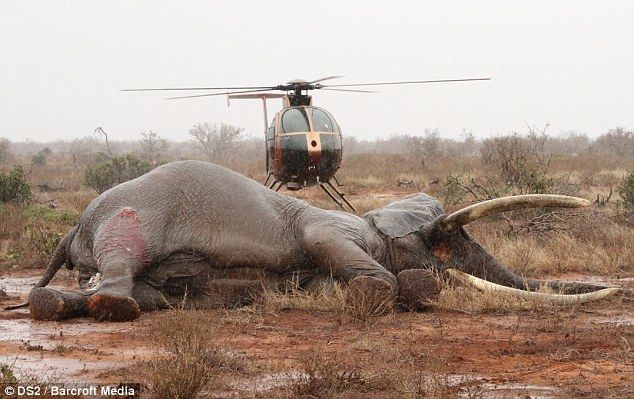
[{"x": 60, "y": 256}]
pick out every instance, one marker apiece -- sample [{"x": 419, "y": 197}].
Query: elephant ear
[{"x": 400, "y": 218}]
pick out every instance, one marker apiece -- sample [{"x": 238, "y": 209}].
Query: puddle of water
[
  {"x": 621, "y": 320},
  {"x": 46, "y": 368},
  {"x": 267, "y": 382},
  {"x": 18, "y": 285},
  {"x": 495, "y": 391},
  {"x": 271, "y": 381},
  {"x": 50, "y": 334}
]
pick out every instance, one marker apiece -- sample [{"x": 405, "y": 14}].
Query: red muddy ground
[{"x": 553, "y": 353}]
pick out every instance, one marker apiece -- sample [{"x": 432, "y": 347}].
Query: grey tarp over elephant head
[{"x": 200, "y": 232}]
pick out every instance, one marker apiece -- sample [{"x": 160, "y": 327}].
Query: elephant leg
[
  {"x": 50, "y": 304},
  {"x": 122, "y": 255},
  {"x": 339, "y": 257},
  {"x": 149, "y": 298},
  {"x": 320, "y": 283},
  {"x": 343, "y": 260},
  {"x": 224, "y": 293}
]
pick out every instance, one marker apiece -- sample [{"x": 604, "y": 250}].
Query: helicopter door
[{"x": 270, "y": 144}]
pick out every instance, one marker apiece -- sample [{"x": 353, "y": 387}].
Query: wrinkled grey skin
[{"x": 197, "y": 231}]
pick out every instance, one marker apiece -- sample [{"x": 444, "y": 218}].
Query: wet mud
[{"x": 538, "y": 354}]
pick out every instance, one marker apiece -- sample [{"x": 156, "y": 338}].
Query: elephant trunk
[{"x": 480, "y": 269}]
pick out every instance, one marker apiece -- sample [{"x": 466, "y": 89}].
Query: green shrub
[
  {"x": 44, "y": 214},
  {"x": 107, "y": 171},
  {"x": 626, "y": 191},
  {"x": 7, "y": 376},
  {"x": 40, "y": 157},
  {"x": 14, "y": 186}
]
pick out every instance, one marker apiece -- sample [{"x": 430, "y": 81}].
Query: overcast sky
[{"x": 570, "y": 64}]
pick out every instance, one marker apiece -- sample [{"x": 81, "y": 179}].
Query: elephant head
[{"x": 420, "y": 234}]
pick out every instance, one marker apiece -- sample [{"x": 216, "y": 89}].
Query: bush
[
  {"x": 40, "y": 157},
  {"x": 188, "y": 360},
  {"x": 108, "y": 172},
  {"x": 514, "y": 164},
  {"x": 33, "y": 233},
  {"x": 626, "y": 191},
  {"x": 14, "y": 186}
]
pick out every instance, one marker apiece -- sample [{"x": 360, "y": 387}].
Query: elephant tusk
[
  {"x": 487, "y": 286},
  {"x": 486, "y": 208}
]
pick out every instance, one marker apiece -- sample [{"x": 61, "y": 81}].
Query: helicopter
[{"x": 304, "y": 143}]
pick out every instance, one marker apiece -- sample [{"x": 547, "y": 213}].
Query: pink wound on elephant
[{"x": 122, "y": 238}]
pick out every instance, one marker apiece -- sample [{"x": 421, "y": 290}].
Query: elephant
[{"x": 198, "y": 233}]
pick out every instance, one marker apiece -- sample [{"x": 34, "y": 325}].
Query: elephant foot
[
  {"x": 417, "y": 288},
  {"x": 111, "y": 307},
  {"x": 369, "y": 296},
  {"x": 50, "y": 304}
]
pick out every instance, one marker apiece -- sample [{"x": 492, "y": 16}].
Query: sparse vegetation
[
  {"x": 41, "y": 156},
  {"x": 320, "y": 377},
  {"x": 188, "y": 360},
  {"x": 14, "y": 186},
  {"x": 626, "y": 191},
  {"x": 216, "y": 141},
  {"x": 153, "y": 147},
  {"x": 5, "y": 145},
  {"x": 107, "y": 172},
  {"x": 7, "y": 376}
]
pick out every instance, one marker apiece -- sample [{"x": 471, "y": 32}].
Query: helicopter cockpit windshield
[
  {"x": 322, "y": 122},
  {"x": 298, "y": 119},
  {"x": 295, "y": 120}
]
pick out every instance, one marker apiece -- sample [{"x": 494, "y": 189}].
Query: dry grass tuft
[
  {"x": 344, "y": 304},
  {"x": 327, "y": 299},
  {"x": 580, "y": 241},
  {"x": 188, "y": 360},
  {"x": 366, "y": 301},
  {"x": 384, "y": 372},
  {"x": 321, "y": 377}
]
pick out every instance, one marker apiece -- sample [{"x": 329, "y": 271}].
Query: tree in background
[
  {"x": 153, "y": 147},
  {"x": 618, "y": 141},
  {"x": 216, "y": 141},
  {"x": 5, "y": 145}
]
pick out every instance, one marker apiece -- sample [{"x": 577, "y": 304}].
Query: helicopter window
[
  {"x": 270, "y": 133},
  {"x": 295, "y": 120},
  {"x": 322, "y": 122}
]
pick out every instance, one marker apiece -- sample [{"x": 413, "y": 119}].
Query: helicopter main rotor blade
[
  {"x": 351, "y": 90},
  {"x": 204, "y": 88},
  {"x": 218, "y": 94},
  {"x": 326, "y": 78},
  {"x": 407, "y": 82}
]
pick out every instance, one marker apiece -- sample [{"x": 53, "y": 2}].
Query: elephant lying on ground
[{"x": 196, "y": 232}]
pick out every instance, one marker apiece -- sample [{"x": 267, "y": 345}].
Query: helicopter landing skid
[
  {"x": 276, "y": 185},
  {"x": 341, "y": 196}
]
